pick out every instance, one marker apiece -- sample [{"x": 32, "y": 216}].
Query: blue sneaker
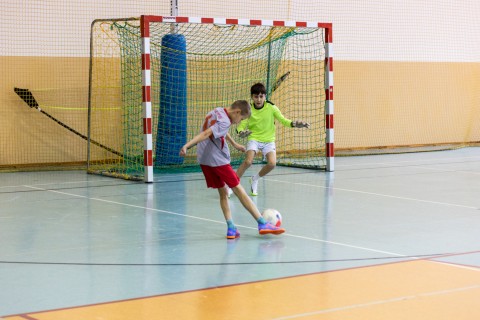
[
  {"x": 233, "y": 233},
  {"x": 269, "y": 228}
]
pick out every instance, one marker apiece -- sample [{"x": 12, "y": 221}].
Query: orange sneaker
[{"x": 269, "y": 228}]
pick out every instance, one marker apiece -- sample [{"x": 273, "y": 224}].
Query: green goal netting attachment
[{"x": 195, "y": 67}]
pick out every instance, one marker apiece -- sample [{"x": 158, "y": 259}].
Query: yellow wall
[
  {"x": 61, "y": 87},
  {"x": 377, "y": 104},
  {"x": 381, "y": 104}
]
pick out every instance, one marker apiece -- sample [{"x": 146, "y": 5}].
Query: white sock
[{"x": 256, "y": 177}]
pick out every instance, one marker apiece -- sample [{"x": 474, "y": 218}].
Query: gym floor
[{"x": 382, "y": 237}]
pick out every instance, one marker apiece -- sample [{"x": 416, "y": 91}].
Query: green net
[{"x": 217, "y": 66}]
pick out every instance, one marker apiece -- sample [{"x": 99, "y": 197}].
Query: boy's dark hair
[
  {"x": 258, "y": 88},
  {"x": 243, "y": 105}
]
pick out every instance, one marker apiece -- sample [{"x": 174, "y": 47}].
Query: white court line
[
  {"x": 60, "y": 183},
  {"x": 453, "y": 170},
  {"x": 114, "y": 182},
  {"x": 454, "y": 265},
  {"x": 375, "y": 194},
  {"x": 215, "y": 221},
  {"x": 419, "y": 161},
  {"x": 123, "y": 204},
  {"x": 380, "y": 302}
]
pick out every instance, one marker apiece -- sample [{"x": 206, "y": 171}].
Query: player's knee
[
  {"x": 247, "y": 162},
  {"x": 271, "y": 165},
  {"x": 224, "y": 196}
]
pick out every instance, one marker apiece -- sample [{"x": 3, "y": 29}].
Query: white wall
[{"x": 378, "y": 30}]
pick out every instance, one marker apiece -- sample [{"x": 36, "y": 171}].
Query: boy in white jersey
[
  {"x": 213, "y": 156},
  {"x": 260, "y": 129}
]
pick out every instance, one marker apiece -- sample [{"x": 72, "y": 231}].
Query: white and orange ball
[{"x": 272, "y": 216}]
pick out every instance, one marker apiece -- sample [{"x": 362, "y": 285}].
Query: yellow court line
[{"x": 414, "y": 290}]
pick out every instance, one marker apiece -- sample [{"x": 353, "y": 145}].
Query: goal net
[{"x": 153, "y": 80}]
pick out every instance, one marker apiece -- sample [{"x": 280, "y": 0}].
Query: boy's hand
[
  {"x": 240, "y": 147},
  {"x": 244, "y": 133},
  {"x": 183, "y": 151},
  {"x": 300, "y": 124}
]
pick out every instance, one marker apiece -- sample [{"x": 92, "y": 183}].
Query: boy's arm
[
  {"x": 242, "y": 130},
  {"x": 277, "y": 114},
  {"x": 236, "y": 145},
  {"x": 242, "y": 125},
  {"x": 204, "y": 135},
  {"x": 289, "y": 123}
]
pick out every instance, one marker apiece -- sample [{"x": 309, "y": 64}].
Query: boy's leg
[
  {"x": 254, "y": 185},
  {"x": 229, "y": 191},
  {"x": 229, "y": 177},
  {"x": 271, "y": 157},
  {"x": 263, "y": 227},
  {"x": 247, "y": 162},
  {"x": 232, "y": 232},
  {"x": 214, "y": 178},
  {"x": 227, "y": 213},
  {"x": 271, "y": 163},
  {"x": 246, "y": 202}
]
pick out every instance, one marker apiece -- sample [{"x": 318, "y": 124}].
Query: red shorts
[{"x": 217, "y": 177}]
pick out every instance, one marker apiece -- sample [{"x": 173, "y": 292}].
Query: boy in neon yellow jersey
[{"x": 260, "y": 129}]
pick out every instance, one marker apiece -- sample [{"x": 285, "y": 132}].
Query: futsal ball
[{"x": 272, "y": 216}]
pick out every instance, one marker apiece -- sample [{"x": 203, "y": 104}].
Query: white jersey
[{"x": 214, "y": 151}]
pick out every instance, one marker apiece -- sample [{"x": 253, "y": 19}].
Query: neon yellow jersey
[{"x": 262, "y": 122}]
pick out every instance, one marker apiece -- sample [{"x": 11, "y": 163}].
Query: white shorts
[{"x": 264, "y": 147}]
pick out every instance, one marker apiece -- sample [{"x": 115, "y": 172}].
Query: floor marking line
[
  {"x": 376, "y": 194},
  {"x": 63, "y": 182},
  {"x": 215, "y": 221},
  {"x": 348, "y": 245},
  {"x": 379, "y": 302},
  {"x": 126, "y": 204},
  {"x": 454, "y": 265},
  {"x": 408, "y": 161}
]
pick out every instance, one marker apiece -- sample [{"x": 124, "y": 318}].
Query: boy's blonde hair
[{"x": 244, "y": 107}]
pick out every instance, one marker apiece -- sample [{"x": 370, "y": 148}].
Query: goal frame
[{"x": 146, "y": 20}]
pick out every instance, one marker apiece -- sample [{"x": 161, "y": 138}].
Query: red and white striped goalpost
[
  {"x": 145, "y": 21},
  {"x": 329, "y": 146},
  {"x": 146, "y": 100}
]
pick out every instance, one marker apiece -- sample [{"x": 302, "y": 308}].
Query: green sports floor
[{"x": 382, "y": 237}]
